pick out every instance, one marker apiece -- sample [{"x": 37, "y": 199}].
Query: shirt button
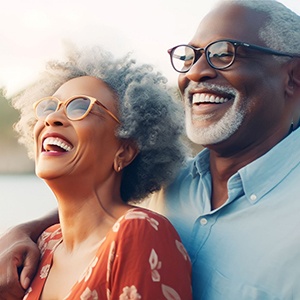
[
  {"x": 203, "y": 221},
  {"x": 253, "y": 197}
]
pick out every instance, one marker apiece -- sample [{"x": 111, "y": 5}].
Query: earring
[{"x": 119, "y": 169}]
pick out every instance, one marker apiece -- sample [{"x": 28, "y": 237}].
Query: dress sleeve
[
  {"x": 147, "y": 259},
  {"x": 49, "y": 238}
]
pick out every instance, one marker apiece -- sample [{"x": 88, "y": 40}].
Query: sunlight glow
[{"x": 32, "y": 32}]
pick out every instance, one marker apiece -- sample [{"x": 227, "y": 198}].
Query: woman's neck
[{"x": 86, "y": 214}]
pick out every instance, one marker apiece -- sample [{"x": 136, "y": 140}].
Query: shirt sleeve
[{"x": 147, "y": 259}]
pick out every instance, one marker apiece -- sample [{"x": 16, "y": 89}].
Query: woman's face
[{"x": 83, "y": 147}]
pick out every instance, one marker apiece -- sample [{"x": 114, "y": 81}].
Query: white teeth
[
  {"x": 56, "y": 142},
  {"x": 206, "y": 98}
]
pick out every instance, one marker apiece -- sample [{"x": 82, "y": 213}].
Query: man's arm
[{"x": 19, "y": 256}]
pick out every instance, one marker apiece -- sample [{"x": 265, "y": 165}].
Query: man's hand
[{"x": 19, "y": 258}]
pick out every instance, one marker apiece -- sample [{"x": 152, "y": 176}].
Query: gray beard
[{"x": 218, "y": 131}]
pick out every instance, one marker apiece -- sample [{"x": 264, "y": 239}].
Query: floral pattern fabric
[{"x": 144, "y": 259}]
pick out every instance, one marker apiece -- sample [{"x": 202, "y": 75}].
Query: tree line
[{"x": 8, "y": 116}]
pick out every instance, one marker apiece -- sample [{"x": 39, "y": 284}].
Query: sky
[{"x": 33, "y": 31}]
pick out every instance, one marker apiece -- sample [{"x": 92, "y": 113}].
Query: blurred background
[
  {"x": 34, "y": 31},
  {"x": 13, "y": 157}
]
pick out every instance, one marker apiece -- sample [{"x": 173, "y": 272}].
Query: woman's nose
[{"x": 56, "y": 118}]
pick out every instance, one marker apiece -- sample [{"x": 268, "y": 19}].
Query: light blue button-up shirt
[{"x": 250, "y": 247}]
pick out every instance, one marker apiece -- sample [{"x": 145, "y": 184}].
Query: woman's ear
[{"x": 125, "y": 155}]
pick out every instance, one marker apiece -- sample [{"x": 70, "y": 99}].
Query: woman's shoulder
[
  {"x": 49, "y": 238},
  {"x": 139, "y": 220},
  {"x": 52, "y": 232},
  {"x": 144, "y": 215},
  {"x": 140, "y": 227}
]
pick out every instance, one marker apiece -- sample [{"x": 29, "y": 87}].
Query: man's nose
[{"x": 201, "y": 70}]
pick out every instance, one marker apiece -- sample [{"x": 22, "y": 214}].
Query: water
[{"x": 23, "y": 198}]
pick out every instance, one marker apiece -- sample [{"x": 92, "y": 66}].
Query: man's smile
[{"x": 208, "y": 98}]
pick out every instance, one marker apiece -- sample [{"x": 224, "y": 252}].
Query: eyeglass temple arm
[
  {"x": 110, "y": 113},
  {"x": 271, "y": 51}
]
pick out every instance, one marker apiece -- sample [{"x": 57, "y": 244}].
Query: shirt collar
[
  {"x": 260, "y": 176},
  {"x": 201, "y": 163}
]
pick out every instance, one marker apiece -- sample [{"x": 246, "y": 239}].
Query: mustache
[{"x": 210, "y": 87}]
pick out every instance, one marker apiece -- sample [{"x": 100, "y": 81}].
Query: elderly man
[{"x": 236, "y": 204}]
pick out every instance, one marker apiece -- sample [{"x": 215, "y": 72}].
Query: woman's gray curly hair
[{"x": 149, "y": 116}]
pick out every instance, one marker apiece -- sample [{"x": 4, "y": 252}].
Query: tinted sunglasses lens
[
  {"x": 46, "y": 107},
  {"x": 77, "y": 107},
  {"x": 183, "y": 58}
]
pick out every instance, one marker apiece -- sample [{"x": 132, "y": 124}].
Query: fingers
[
  {"x": 30, "y": 264},
  {"x": 20, "y": 258},
  {"x": 10, "y": 287}
]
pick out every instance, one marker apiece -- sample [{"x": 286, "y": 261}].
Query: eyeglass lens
[
  {"x": 219, "y": 55},
  {"x": 75, "y": 109},
  {"x": 183, "y": 58}
]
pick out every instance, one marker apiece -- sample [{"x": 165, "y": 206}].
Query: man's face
[{"x": 243, "y": 104}]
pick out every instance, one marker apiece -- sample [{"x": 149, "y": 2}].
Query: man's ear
[
  {"x": 293, "y": 86},
  {"x": 125, "y": 155},
  {"x": 292, "y": 91}
]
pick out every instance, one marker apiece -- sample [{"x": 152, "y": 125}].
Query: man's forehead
[{"x": 231, "y": 21}]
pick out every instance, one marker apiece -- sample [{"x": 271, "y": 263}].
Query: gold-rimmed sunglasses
[{"x": 75, "y": 108}]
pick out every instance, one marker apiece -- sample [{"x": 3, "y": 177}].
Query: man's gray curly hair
[
  {"x": 281, "y": 31},
  {"x": 149, "y": 116}
]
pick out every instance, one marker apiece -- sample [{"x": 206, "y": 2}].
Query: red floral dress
[{"x": 143, "y": 258}]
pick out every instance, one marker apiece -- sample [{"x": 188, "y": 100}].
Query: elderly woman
[{"x": 106, "y": 133}]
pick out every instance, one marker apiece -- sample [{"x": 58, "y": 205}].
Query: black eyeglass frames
[{"x": 219, "y": 54}]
